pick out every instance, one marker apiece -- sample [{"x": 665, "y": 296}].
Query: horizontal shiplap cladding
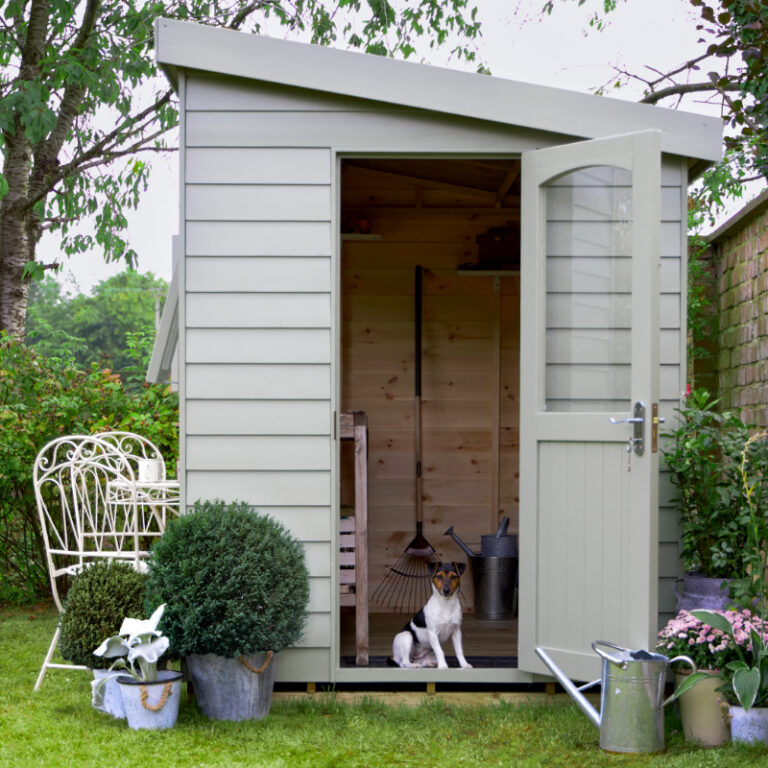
[
  {"x": 597, "y": 204},
  {"x": 604, "y": 310},
  {"x": 390, "y": 131},
  {"x": 259, "y": 453},
  {"x": 259, "y": 310},
  {"x": 268, "y": 488},
  {"x": 262, "y": 274},
  {"x": 304, "y": 523},
  {"x": 258, "y": 238},
  {"x": 206, "y": 92},
  {"x": 257, "y": 165},
  {"x": 258, "y": 417},
  {"x": 590, "y": 382},
  {"x": 604, "y": 346},
  {"x": 588, "y": 238},
  {"x": 608, "y": 274},
  {"x": 265, "y": 202},
  {"x": 258, "y": 345},
  {"x": 256, "y": 382}
]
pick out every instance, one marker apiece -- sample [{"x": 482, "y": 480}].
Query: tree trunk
[{"x": 17, "y": 239}]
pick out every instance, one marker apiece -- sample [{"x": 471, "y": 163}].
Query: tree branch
[{"x": 682, "y": 88}]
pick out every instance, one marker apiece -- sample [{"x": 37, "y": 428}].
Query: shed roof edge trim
[{"x": 187, "y": 45}]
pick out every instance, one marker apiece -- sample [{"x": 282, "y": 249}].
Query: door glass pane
[{"x": 589, "y": 291}]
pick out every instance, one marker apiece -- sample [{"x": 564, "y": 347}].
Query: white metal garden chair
[{"x": 92, "y": 506}]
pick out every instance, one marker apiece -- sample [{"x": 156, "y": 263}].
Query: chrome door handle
[{"x": 637, "y": 420}]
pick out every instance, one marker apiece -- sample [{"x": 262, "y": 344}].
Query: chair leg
[{"x": 48, "y": 657}]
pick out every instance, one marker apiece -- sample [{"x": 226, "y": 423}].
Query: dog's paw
[{"x": 466, "y": 665}]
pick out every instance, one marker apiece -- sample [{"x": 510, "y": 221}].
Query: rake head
[{"x": 407, "y": 585}]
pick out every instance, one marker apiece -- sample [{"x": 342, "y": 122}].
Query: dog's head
[{"x": 446, "y": 577}]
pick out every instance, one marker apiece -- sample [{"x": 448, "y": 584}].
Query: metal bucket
[
  {"x": 499, "y": 546},
  {"x": 494, "y": 579}
]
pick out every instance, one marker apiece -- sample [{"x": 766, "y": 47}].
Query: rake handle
[{"x": 417, "y": 395}]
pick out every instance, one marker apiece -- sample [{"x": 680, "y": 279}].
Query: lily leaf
[
  {"x": 746, "y": 683},
  {"x": 149, "y": 652},
  {"x": 690, "y": 682},
  {"x": 715, "y": 620},
  {"x": 135, "y": 627},
  {"x": 112, "y": 647}
]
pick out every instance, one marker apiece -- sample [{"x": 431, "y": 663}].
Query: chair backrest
[
  {"x": 82, "y": 516},
  {"x": 143, "y": 455}
]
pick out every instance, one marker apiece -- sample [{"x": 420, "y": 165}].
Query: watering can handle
[
  {"x": 607, "y": 656},
  {"x": 687, "y": 660}
]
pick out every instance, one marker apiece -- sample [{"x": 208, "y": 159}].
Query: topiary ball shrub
[
  {"x": 233, "y": 580},
  {"x": 97, "y": 602}
]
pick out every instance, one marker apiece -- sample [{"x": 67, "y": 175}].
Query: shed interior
[{"x": 459, "y": 220}]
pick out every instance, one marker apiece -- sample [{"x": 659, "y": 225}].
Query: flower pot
[
  {"x": 112, "y": 701},
  {"x": 749, "y": 726},
  {"x": 152, "y": 706},
  {"x": 699, "y": 591},
  {"x": 232, "y": 689},
  {"x": 702, "y": 713}
]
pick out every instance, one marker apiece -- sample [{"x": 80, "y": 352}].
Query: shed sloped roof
[{"x": 184, "y": 45}]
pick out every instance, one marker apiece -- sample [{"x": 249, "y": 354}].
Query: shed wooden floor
[{"x": 481, "y": 639}]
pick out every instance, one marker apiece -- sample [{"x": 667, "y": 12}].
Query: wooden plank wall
[{"x": 378, "y": 314}]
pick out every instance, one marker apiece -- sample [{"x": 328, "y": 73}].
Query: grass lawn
[{"x": 57, "y": 727}]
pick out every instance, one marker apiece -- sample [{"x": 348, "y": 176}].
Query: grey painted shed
[{"x": 551, "y": 227}]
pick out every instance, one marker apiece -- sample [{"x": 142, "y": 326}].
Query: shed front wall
[{"x": 260, "y": 312}]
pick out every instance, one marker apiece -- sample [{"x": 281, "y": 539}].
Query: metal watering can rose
[{"x": 631, "y": 717}]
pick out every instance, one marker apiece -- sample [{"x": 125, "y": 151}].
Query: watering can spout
[{"x": 575, "y": 693}]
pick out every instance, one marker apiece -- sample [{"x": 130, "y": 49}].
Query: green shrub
[
  {"x": 97, "y": 602},
  {"x": 46, "y": 397},
  {"x": 234, "y": 582}
]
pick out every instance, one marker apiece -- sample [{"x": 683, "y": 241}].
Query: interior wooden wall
[{"x": 458, "y": 374}]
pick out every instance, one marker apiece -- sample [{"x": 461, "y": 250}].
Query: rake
[{"x": 406, "y": 587}]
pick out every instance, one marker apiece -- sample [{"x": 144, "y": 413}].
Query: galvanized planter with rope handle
[
  {"x": 152, "y": 705},
  {"x": 232, "y": 689}
]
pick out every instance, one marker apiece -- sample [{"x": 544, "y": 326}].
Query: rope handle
[
  {"x": 144, "y": 694},
  {"x": 270, "y": 655}
]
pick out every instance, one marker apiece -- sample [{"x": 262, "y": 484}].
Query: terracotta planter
[
  {"x": 702, "y": 712},
  {"x": 749, "y": 727}
]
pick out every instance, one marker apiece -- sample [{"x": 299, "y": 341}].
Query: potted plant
[
  {"x": 711, "y": 650},
  {"x": 98, "y": 600},
  {"x": 745, "y": 678},
  {"x": 150, "y": 696},
  {"x": 703, "y": 456},
  {"x": 236, "y": 589}
]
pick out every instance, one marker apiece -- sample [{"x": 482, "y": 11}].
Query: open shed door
[{"x": 589, "y": 353}]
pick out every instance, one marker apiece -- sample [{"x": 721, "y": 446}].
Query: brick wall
[{"x": 739, "y": 258}]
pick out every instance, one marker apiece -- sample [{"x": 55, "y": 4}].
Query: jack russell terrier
[{"x": 419, "y": 644}]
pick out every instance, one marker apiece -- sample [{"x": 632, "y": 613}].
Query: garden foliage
[
  {"x": 704, "y": 457},
  {"x": 234, "y": 582},
  {"x": 43, "y": 398},
  {"x": 97, "y": 602}
]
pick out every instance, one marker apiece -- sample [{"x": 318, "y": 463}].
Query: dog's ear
[
  {"x": 432, "y": 568},
  {"x": 460, "y": 568}
]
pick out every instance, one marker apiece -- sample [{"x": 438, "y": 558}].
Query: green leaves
[
  {"x": 690, "y": 682},
  {"x": 746, "y": 683}
]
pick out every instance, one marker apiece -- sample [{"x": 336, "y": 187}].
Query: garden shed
[{"x": 549, "y": 231}]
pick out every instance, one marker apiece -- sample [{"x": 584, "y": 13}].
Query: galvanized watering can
[{"x": 631, "y": 715}]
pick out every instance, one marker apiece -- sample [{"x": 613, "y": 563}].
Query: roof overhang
[
  {"x": 740, "y": 219},
  {"x": 184, "y": 45}
]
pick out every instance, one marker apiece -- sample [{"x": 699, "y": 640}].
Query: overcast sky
[{"x": 517, "y": 44}]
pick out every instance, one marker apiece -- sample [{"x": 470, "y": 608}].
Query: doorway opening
[{"x": 459, "y": 221}]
